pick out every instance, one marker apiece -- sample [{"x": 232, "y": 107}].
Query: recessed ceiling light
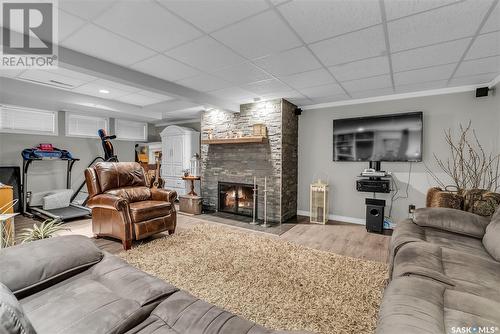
[{"x": 103, "y": 91}]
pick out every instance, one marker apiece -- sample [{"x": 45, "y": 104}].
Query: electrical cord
[{"x": 393, "y": 197}]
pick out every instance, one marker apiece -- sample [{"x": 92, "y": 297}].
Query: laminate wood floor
[{"x": 337, "y": 237}]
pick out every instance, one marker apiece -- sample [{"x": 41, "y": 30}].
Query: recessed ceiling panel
[
  {"x": 421, "y": 86},
  {"x": 350, "y": 47},
  {"x": 424, "y": 75},
  {"x": 493, "y": 22},
  {"x": 361, "y": 69},
  {"x": 322, "y": 91},
  {"x": 399, "y": 8},
  {"x": 381, "y": 81},
  {"x": 316, "y": 20},
  {"x": 242, "y": 73},
  {"x": 204, "y": 82},
  {"x": 479, "y": 66},
  {"x": 372, "y": 93},
  {"x": 68, "y": 24},
  {"x": 266, "y": 87},
  {"x": 258, "y": 36},
  {"x": 484, "y": 46},
  {"x": 86, "y": 9},
  {"x": 289, "y": 62}
]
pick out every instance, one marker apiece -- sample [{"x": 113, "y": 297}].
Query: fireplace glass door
[{"x": 236, "y": 198}]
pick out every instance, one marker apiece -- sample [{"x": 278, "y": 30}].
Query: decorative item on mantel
[
  {"x": 259, "y": 130},
  {"x": 195, "y": 166},
  {"x": 319, "y": 202}
]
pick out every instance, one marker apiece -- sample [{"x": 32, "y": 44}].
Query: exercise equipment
[
  {"x": 80, "y": 196},
  {"x": 44, "y": 153}
]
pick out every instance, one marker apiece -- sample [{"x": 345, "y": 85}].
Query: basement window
[
  {"x": 130, "y": 130},
  {"x": 84, "y": 126},
  {"x": 17, "y": 119}
]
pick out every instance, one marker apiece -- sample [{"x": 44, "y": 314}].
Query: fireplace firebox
[{"x": 236, "y": 198}]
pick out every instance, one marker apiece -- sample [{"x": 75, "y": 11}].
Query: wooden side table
[{"x": 192, "y": 179}]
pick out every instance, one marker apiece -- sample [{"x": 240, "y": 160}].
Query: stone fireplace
[{"x": 274, "y": 159}]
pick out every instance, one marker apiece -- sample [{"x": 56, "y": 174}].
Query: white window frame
[
  {"x": 73, "y": 114},
  {"x": 55, "y": 115},
  {"x": 124, "y": 121}
]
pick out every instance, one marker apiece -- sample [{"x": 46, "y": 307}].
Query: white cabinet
[{"x": 179, "y": 144}]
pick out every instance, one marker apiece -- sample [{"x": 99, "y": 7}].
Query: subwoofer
[{"x": 374, "y": 215}]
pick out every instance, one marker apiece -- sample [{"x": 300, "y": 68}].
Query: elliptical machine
[{"x": 80, "y": 196}]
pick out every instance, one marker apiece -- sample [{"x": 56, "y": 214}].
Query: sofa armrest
[
  {"x": 452, "y": 220},
  {"x": 107, "y": 201},
  {"x": 30, "y": 267},
  {"x": 164, "y": 195}
]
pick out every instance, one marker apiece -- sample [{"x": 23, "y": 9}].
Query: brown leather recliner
[{"x": 124, "y": 207}]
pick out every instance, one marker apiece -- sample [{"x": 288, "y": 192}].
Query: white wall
[
  {"x": 440, "y": 113},
  {"x": 48, "y": 175}
]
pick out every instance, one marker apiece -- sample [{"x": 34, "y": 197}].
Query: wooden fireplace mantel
[{"x": 241, "y": 140}]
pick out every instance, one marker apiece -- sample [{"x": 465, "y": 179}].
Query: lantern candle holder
[{"x": 319, "y": 202}]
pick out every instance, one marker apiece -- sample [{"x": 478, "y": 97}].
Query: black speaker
[
  {"x": 482, "y": 91},
  {"x": 298, "y": 111},
  {"x": 375, "y": 215}
]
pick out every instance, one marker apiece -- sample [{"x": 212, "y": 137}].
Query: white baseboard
[{"x": 345, "y": 219}]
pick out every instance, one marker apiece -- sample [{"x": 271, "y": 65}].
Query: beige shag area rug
[{"x": 275, "y": 283}]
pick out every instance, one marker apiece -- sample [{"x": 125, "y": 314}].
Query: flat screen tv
[{"x": 396, "y": 137}]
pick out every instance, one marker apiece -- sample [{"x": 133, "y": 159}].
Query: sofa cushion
[
  {"x": 415, "y": 305},
  {"x": 132, "y": 194},
  {"x": 146, "y": 210},
  {"x": 184, "y": 313},
  {"x": 491, "y": 239},
  {"x": 29, "y": 267},
  {"x": 12, "y": 317},
  {"x": 110, "y": 297},
  {"x": 452, "y": 220}
]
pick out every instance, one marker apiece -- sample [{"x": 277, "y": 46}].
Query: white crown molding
[
  {"x": 344, "y": 219},
  {"x": 191, "y": 120},
  {"x": 431, "y": 92},
  {"x": 494, "y": 82}
]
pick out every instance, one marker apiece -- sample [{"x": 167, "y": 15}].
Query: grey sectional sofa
[
  {"x": 67, "y": 285},
  {"x": 445, "y": 275}
]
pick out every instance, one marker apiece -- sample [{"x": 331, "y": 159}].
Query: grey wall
[
  {"x": 440, "y": 113},
  {"x": 52, "y": 174}
]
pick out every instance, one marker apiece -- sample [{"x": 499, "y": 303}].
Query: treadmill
[{"x": 70, "y": 212}]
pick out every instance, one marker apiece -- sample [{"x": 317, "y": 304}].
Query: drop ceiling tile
[
  {"x": 350, "y": 47},
  {"x": 309, "y": 79},
  {"x": 424, "y": 75},
  {"x": 140, "y": 99},
  {"x": 381, "y": 81},
  {"x": 258, "y": 36},
  {"x": 322, "y": 91},
  {"x": 93, "y": 89},
  {"x": 266, "y": 87},
  {"x": 479, "y": 66},
  {"x": 234, "y": 94},
  {"x": 493, "y": 22},
  {"x": 242, "y": 73},
  {"x": 316, "y": 20},
  {"x": 478, "y": 79},
  {"x": 443, "y": 24},
  {"x": 278, "y": 2},
  {"x": 72, "y": 74},
  {"x": 206, "y": 54},
  {"x": 68, "y": 24},
  {"x": 372, "y": 93},
  {"x": 204, "y": 83},
  {"x": 361, "y": 69},
  {"x": 105, "y": 45},
  {"x": 166, "y": 68},
  {"x": 147, "y": 23},
  {"x": 162, "y": 97},
  {"x": 51, "y": 78},
  {"x": 213, "y": 15},
  {"x": 86, "y": 9},
  {"x": 484, "y": 46},
  {"x": 396, "y": 9},
  {"x": 433, "y": 55},
  {"x": 300, "y": 102},
  {"x": 421, "y": 86},
  {"x": 289, "y": 62},
  {"x": 287, "y": 95}
]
